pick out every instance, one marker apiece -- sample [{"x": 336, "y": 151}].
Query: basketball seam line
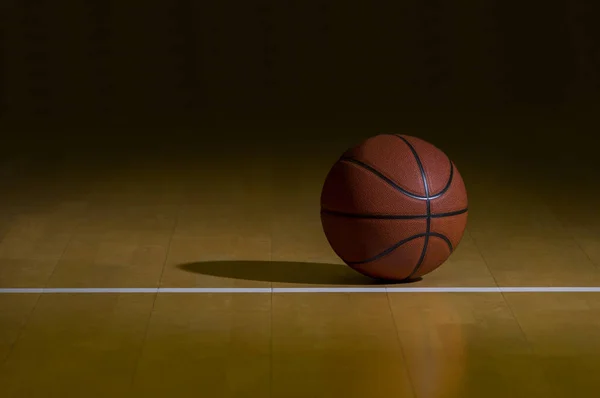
[
  {"x": 394, "y": 185},
  {"x": 376, "y": 172},
  {"x": 400, "y": 243},
  {"x": 428, "y": 204},
  {"x": 393, "y": 216},
  {"x": 450, "y": 177}
]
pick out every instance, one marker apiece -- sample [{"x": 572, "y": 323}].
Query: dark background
[{"x": 266, "y": 73}]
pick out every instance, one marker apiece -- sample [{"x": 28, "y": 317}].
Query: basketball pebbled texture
[{"x": 394, "y": 207}]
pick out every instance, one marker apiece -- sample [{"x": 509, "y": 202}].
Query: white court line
[{"x": 268, "y": 290}]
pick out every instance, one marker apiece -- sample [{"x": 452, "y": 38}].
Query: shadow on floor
[{"x": 283, "y": 272}]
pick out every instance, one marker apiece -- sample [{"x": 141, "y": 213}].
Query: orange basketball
[{"x": 394, "y": 207}]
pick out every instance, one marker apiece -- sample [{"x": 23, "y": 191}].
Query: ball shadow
[{"x": 284, "y": 272}]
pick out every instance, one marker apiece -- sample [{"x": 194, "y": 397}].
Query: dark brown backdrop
[{"x": 406, "y": 64}]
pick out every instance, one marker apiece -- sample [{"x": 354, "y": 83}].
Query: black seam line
[
  {"x": 386, "y": 251},
  {"x": 402, "y": 242},
  {"x": 384, "y": 178},
  {"x": 444, "y": 238},
  {"x": 428, "y": 227},
  {"x": 396, "y": 186},
  {"x": 450, "y": 177},
  {"x": 392, "y": 216}
]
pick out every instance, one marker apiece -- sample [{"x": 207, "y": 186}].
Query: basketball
[{"x": 394, "y": 207}]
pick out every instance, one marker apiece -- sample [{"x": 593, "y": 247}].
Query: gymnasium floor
[{"x": 246, "y": 219}]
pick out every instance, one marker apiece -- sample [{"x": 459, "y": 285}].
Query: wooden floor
[{"x": 250, "y": 219}]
